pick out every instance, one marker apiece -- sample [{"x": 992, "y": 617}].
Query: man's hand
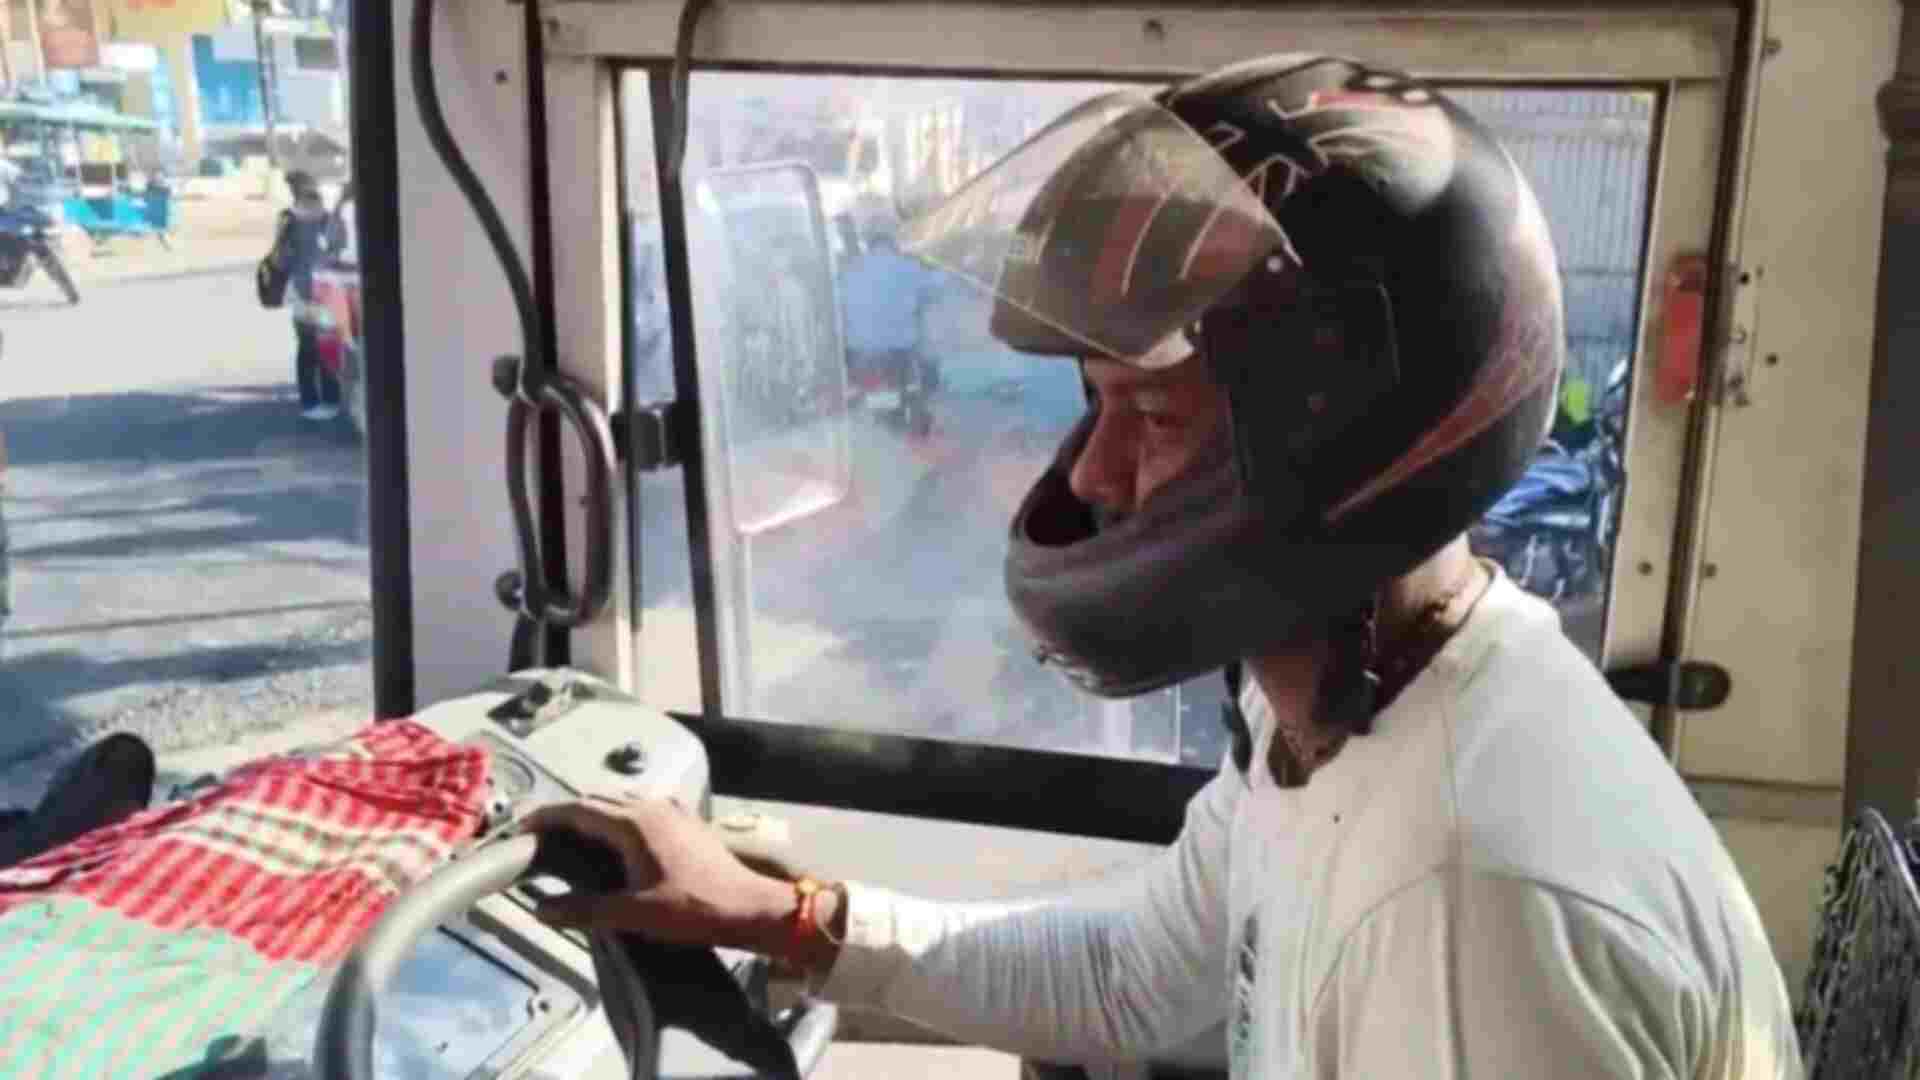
[{"x": 684, "y": 885}]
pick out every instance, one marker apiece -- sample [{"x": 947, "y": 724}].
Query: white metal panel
[
  {"x": 1637, "y": 42},
  {"x": 458, "y": 315},
  {"x": 1778, "y": 556},
  {"x": 587, "y": 320},
  {"x": 1689, "y": 151}
]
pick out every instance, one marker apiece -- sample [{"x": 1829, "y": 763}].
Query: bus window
[
  {"x": 1588, "y": 154},
  {"x": 886, "y": 610}
]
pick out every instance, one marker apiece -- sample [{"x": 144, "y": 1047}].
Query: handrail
[{"x": 528, "y": 590}]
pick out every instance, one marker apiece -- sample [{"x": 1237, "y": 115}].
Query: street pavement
[{"x": 189, "y": 556}]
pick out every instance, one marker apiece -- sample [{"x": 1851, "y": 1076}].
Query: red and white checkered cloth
[{"x": 163, "y": 938}]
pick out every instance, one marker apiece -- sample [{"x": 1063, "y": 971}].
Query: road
[{"x": 189, "y": 556}]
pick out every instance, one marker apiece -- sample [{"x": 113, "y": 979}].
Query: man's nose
[{"x": 1103, "y": 474}]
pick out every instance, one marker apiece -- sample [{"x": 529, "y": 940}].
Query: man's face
[{"x": 1152, "y": 425}]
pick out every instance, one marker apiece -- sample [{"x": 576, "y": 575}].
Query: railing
[{"x": 1859, "y": 1017}]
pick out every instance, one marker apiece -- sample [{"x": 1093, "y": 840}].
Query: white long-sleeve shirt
[{"x": 1505, "y": 879}]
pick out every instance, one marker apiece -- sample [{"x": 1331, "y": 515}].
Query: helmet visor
[{"x": 1107, "y": 233}]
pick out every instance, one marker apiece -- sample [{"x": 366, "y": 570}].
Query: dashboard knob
[{"x": 627, "y": 759}]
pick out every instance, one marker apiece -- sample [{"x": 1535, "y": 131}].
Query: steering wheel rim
[{"x": 343, "y": 1045}]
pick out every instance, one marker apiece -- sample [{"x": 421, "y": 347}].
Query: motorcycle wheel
[{"x": 57, "y": 270}]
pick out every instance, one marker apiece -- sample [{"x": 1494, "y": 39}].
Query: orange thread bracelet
[{"x": 806, "y": 920}]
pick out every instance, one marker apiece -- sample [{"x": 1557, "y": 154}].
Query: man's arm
[
  {"x": 1469, "y": 975},
  {"x": 1109, "y": 972},
  {"x": 1113, "y": 972}
]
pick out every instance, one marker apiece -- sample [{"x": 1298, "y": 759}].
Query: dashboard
[{"x": 496, "y": 992}]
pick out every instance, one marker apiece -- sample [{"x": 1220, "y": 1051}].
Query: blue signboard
[{"x": 229, "y": 89}]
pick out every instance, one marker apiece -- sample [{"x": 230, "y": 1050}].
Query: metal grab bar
[{"x": 528, "y": 590}]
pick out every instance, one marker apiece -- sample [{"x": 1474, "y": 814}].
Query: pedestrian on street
[
  {"x": 306, "y": 233},
  {"x": 885, "y": 294}
]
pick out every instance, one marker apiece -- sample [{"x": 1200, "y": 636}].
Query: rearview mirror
[{"x": 782, "y": 398}]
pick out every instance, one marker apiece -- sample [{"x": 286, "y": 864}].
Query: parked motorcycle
[
  {"x": 26, "y": 240},
  {"x": 1553, "y": 531}
]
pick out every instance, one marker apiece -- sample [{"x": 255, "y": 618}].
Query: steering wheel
[{"x": 343, "y": 1045}]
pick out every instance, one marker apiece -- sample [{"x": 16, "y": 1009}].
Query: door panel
[{"x": 1778, "y": 555}]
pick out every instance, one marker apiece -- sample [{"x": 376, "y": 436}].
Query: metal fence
[{"x": 1859, "y": 1016}]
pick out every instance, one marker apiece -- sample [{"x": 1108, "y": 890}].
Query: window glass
[{"x": 1588, "y": 154}]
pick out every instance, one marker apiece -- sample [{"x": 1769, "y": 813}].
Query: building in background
[
  {"x": 161, "y": 30},
  {"x": 306, "y": 78},
  {"x": 43, "y": 42},
  {"x": 133, "y": 56},
  {"x": 69, "y": 39},
  {"x": 192, "y": 66}
]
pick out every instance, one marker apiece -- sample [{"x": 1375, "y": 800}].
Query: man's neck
[{"x": 1452, "y": 579}]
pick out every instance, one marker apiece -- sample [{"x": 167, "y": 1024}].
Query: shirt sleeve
[
  {"x": 1470, "y": 975},
  {"x": 1112, "y": 973}
]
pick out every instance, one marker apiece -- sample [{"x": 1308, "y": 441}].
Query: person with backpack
[{"x": 305, "y": 233}]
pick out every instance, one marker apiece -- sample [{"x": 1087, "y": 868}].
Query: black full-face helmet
[{"x": 1364, "y": 271}]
